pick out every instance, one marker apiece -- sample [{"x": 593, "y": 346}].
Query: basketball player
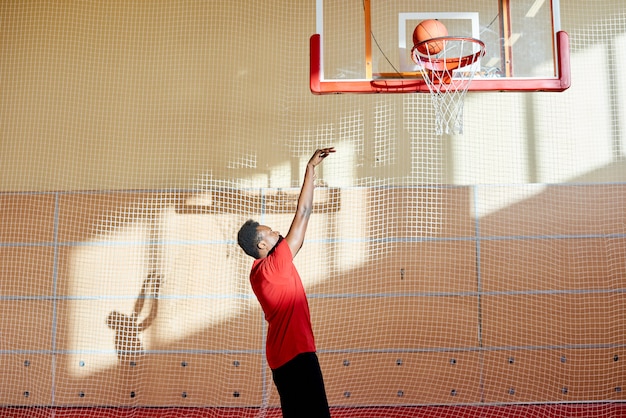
[{"x": 290, "y": 345}]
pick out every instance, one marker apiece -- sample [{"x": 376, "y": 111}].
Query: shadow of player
[{"x": 127, "y": 328}]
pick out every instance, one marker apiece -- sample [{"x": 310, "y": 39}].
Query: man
[{"x": 290, "y": 345}]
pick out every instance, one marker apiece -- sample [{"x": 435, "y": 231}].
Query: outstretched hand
[
  {"x": 320, "y": 154},
  {"x": 295, "y": 236}
]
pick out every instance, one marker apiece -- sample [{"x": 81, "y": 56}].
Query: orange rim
[{"x": 432, "y": 63}]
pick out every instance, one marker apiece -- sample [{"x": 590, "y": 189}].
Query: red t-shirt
[{"x": 277, "y": 285}]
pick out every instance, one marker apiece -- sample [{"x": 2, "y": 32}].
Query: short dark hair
[{"x": 248, "y": 238}]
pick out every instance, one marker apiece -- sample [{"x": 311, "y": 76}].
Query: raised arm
[
  {"x": 297, "y": 230},
  {"x": 150, "y": 289}
]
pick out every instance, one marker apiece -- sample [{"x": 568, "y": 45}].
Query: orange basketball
[{"x": 429, "y": 29}]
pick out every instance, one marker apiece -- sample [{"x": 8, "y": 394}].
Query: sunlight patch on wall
[
  {"x": 191, "y": 272},
  {"x": 493, "y": 198},
  {"x": 565, "y": 153},
  {"x": 497, "y": 153},
  {"x": 106, "y": 276},
  {"x": 203, "y": 264},
  {"x": 620, "y": 87}
]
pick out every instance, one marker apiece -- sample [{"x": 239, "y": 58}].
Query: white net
[
  {"x": 473, "y": 276},
  {"x": 448, "y": 68}
]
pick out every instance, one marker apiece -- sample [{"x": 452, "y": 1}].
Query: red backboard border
[{"x": 417, "y": 85}]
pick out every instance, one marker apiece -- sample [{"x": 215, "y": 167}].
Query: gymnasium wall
[{"x": 474, "y": 271}]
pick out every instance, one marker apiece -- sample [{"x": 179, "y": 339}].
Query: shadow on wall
[{"x": 129, "y": 327}]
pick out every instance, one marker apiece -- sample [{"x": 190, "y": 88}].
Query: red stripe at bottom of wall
[{"x": 590, "y": 410}]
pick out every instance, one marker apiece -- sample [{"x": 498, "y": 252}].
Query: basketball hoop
[{"x": 448, "y": 75}]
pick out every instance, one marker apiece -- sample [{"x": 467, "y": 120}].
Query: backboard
[{"x": 364, "y": 46}]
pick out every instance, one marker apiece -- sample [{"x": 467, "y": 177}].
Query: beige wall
[
  {"x": 91, "y": 90},
  {"x": 139, "y": 95}
]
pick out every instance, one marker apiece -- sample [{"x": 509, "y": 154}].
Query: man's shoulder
[
  {"x": 276, "y": 261},
  {"x": 280, "y": 252}
]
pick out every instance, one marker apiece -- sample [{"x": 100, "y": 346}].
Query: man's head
[{"x": 256, "y": 240}]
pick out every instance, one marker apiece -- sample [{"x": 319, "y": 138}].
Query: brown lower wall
[{"x": 523, "y": 305}]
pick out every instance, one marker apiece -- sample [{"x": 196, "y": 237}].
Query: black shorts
[{"x": 301, "y": 388}]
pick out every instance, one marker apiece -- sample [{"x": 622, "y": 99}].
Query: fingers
[
  {"x": 324, "y": 152},
  {"x": 320, "y": 154}
]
